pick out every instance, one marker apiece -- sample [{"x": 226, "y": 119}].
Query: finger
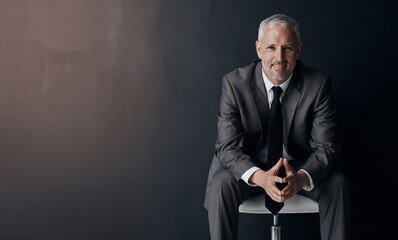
[
  {"x": 287, "y": 166},
  {"x": 275, "y": 194},
  {"x": 288, "y": 195},
  {"x": 276, "y": 179},
  {"x": 277, "y": 166},
  {"x": 288, "y": 178},
  {"x": 287, "y": 190},
  {"x": 275, "y": 198},
  {"x": 290, "y": 190}
]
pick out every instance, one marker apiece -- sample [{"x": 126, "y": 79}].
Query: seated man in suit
[{"x": 277, "y": 133}]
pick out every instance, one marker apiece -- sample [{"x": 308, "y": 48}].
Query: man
[{"x": 309, "y": 143}]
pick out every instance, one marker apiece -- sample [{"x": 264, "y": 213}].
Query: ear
[
  {"x": 300, "y": 47},
  {"x": 258, "y": 49}
]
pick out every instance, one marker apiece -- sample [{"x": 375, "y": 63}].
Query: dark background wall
[{"x": 108, "y": 111}]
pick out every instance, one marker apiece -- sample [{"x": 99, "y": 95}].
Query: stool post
[{"x": 276, "y": 229}]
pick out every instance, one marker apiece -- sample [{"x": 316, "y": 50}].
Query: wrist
[
  {"x": 304, "y": 178},
  {"x": 254, "y": 177}
]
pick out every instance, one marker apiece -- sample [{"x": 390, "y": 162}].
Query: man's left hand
[{"x": 295, "y": 181}]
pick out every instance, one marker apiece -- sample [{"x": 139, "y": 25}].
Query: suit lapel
[
  {"x": 289, "y": 105},
  {"x": 260, "y": 100},
  {"x": 290, "y": 102}
]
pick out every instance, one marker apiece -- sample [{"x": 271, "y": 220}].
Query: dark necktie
[{"x": 275, "y": 146}]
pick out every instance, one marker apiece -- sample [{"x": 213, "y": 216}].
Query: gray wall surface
[{"x": 108, "y": 110}]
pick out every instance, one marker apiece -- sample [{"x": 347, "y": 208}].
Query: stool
[{"x": 296, "y": 204}]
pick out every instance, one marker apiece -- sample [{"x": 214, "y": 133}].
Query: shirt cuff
[
  {"x": 311, "y": 185},
  {"x": 245, "y": 177}
]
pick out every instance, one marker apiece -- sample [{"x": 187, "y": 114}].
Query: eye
[
  {"x": 271, "y": 47},
  {"x": 288, "y": 48}
]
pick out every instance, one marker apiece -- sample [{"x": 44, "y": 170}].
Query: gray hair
[{"x": 279, "y": 19}]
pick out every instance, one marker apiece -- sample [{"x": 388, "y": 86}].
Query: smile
[{"x": 278, "y": 67}]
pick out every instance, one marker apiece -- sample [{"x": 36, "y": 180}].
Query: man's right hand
[{"x": 267, "y": 180}]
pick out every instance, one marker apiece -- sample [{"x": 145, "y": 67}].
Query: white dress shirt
[{"x": 268, "y": 85}]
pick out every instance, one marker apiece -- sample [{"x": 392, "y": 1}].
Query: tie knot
[{"x": 277, "y": 91}]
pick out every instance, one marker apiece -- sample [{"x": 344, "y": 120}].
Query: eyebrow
[{"x": 285, "y": 45}]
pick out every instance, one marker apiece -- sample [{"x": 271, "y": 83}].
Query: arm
[
  {"x": 324, "y": 139},
  {"x": 230, "y": 141},
  {"x": 324, "y": 143}
]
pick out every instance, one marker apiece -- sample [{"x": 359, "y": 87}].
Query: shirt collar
[{"x": 269, "y": 84}]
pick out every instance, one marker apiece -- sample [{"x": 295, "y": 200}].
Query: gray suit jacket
[{"x": 310, "y": 132}]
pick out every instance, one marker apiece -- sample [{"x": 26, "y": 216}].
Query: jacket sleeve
[
  {"x": 230, "y": 141},
  {"x": 324, "y": 139}
]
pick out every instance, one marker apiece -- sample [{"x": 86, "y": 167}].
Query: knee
[
  {"x": 336, "y": 185},
  {"x": 224, "y": 186},
  {"x": 339, "y": 181}
]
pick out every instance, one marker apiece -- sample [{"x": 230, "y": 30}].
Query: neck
[{"x": 276, "y": 81}]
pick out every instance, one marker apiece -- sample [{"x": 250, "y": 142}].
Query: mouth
[{"x": 279, "y": 66}]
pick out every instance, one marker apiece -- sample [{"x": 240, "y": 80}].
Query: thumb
[
  {"x": 277, "y": 166},
  {"x": 287, "y": 166}
]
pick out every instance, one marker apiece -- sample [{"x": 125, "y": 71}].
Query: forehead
[{"x": 279, "y": 34}]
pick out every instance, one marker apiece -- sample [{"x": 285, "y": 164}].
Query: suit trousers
[{"x": 226, "y": 194}]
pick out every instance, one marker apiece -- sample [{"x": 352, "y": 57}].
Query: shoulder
[
  {"x": 310, "y": 74},
  {"x": 312, "y": 82},
  {"x": 244, "y": 75}
]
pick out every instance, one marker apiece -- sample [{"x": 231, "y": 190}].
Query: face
[{"x": 278, "y": 51}]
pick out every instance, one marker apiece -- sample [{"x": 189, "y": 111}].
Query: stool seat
[{"x": 295, "y": 204}]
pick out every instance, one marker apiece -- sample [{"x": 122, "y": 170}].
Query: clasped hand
[{"x": 267, "y": 180}]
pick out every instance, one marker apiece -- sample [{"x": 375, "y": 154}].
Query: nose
[{"x": 279, "y": 54}]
